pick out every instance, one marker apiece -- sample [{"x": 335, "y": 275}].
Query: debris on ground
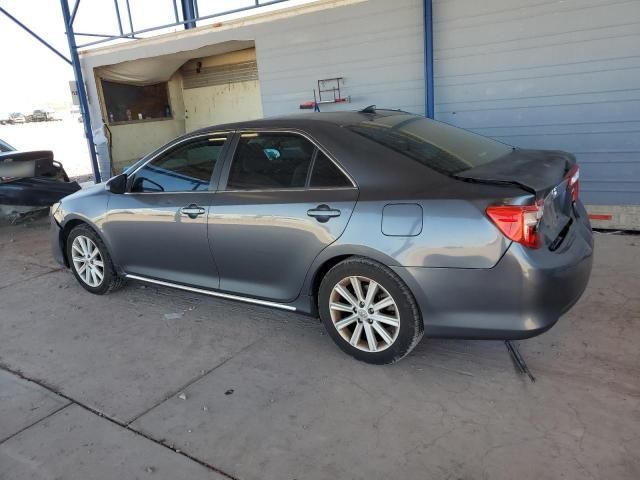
[
  {"x": 229, "y": 392},
  {"x": 22, "y": 217},
  {"x": 32, "y": 181},
  {"x": 173, "y": 316},
  {"x": 182, "y": 396}
]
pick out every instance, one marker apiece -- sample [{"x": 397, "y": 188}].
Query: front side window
[
  {"x": 186, "y": 168},
  {"x": 270, "y": 161}
]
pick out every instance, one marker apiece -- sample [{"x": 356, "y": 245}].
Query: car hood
[{"x": 85, "y": 192}]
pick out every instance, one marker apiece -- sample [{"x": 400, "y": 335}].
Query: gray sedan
[{"x": 385, "y": 224}]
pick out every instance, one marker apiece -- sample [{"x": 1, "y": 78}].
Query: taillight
[
  {"x": 518, "y": 222},
  {"x": 573, "y": 183}
]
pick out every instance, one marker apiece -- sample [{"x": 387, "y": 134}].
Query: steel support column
[
  {"x": 428, "y": 59},
  {"x": 189, "y": 13},
  {"x": 82, "y": 94}
]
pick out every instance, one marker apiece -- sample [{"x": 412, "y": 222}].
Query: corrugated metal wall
[
  {"x": 377, "y": 46},
  {"x": 547, "y": 74}
]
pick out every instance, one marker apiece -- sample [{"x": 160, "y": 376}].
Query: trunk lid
[{"x": 543, "y": 173}]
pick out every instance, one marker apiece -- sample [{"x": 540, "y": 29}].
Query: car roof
[
  {"x": 377, "y": 170},
  {"x": 335, "y": 118}
]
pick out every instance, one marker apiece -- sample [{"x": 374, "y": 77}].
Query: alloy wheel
[
  {"x": 364, "y": 313},
  {"x": 87, "y": 261}
]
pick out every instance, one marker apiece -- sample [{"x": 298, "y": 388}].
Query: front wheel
[
  {"x": 369, "y": 311},
  {"x": 90, "y": 261}
]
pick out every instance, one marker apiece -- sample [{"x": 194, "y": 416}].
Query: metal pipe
[
  {"x": 183, "y": 22},
  {"x": 82, "y": 94},
  {"x": 115, "y": 3},
  {"x": 74, "y": 11},
  {"x": 175, "y": 10},
  {"x": 130, "y": 18},
  {"x": 428, "y": 59},
  {"x": 34, "y": 35},
  {"x": 92, "y": 35}
]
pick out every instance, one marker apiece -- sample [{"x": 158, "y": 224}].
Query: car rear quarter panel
[{"x": 454, "y": 234}]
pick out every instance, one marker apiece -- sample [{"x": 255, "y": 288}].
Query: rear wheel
[
  {"x": 369, "y": 311},
  {"x": 90, "y": 261}
]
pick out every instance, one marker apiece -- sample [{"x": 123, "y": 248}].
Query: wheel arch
[
  {"x": 66, "y": 229},
  {"x": 330, "y": 257}
]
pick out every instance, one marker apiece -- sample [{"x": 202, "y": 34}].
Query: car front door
[
  {"x": 158, "y": 229},
  {"x": 281, "y": 201}
]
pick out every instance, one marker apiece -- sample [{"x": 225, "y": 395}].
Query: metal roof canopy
[{"x": 188, "y": 18}]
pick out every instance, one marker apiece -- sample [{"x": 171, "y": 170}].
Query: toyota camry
[{"x": 385, "y": 224}]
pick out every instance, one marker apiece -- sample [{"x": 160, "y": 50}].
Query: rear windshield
[{"x": 444, "y": 148}]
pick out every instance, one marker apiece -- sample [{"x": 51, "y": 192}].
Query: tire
[
  {"x": 380, "y": 331},
  {"x": 81, "y": 243}
]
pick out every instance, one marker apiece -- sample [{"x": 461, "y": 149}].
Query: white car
[{"x": 17, "y": 118}]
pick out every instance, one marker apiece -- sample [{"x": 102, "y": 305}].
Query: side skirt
[{"x": 212, "y": 293}]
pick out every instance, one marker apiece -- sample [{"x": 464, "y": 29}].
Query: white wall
[
  {"x": 376, "y": 45},
  {"x": 216, "y": 104},
  {"x": 547, "y": 74}
]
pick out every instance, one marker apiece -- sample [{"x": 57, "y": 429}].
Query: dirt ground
[{"x": 154, "y": 383}]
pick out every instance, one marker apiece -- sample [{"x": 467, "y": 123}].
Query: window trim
[
  {"x": 217, "y": 169},
  {"x": 224, "y": 178}
]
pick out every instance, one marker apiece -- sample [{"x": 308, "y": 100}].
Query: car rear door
[
  {"x": 281, "y": 201},
  {"x": 158, "y": 229}
]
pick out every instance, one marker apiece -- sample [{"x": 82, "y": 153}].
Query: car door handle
[
  {"x": 192, "y": 211},
  {"x": 323, "y": 213}
]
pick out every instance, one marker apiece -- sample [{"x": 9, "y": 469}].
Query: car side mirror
[{"x": 118, "y": 184}]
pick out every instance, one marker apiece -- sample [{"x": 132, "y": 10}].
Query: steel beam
[
  {"x": 34, "y": 35},
  {"x": 74, "y": 11},
  {"x": 189, "y": 13},
  {"x": 82, "y": 94},
  {"x": 428, "y": 59},
  {"x": 181, "y": 22},
  {"x": 130, "y": 19},
  {"x": 115, "y": 4}
]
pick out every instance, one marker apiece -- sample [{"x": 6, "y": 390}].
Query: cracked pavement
[{"x": 90, "y": 387}]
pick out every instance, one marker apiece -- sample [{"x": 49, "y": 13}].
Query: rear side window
[
  {"x": 444, "y": 148},
  {"x": 326, "y": 174},
  {"x": 270, "y": 161}
]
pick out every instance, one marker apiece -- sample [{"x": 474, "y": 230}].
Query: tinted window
[
  {"x": 437, "y": 145},
  {"x": 270, "y": 160},
  {"x": 326, "y": 174},
  {"x": 187, "y": 168}
]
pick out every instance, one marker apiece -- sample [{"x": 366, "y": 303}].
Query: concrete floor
[{"x": 91, "y": 387}]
